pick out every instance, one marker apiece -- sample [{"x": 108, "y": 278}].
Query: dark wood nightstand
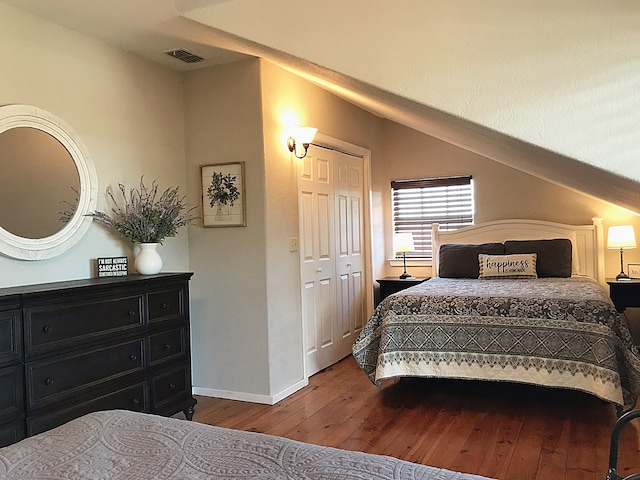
[
  {"x": 624, "y": 293},
  {"x": 389, "y": 285}
]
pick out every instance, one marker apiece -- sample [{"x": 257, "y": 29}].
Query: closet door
[
  {"x": 317, "y": 262},
  {"x": 331, "y": 254},
  {"x": 350, "y": 278}
]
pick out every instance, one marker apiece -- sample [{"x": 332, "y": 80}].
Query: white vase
[{"x": 148, "y": 260}]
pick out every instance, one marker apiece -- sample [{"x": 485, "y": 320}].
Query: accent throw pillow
[{"x": 508, "y": 266}]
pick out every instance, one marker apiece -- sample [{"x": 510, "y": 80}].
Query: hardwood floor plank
[
  {"x": 498, "y": 430},
  {"x": 526, "y": 456},
  {"x": 496, "y": 463},
  {"x": 555, "y": 445},
  {"x": 581, "y": 457},
  {"x": 480, "y": 444}
]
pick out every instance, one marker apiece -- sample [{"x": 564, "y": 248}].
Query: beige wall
[
  {"x": 288, "y": 99},
  {"x": 501, "y": 192},
  {"x": 128, "y": 112},
  {"x": 246, "y": 289},
  {"x": 228, "y": 291}
]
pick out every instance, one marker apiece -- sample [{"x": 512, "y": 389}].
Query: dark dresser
[{"x": 70, "y": 348}]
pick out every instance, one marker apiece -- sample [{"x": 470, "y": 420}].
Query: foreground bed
[
  {"x": 558, "y": 331},
  {"x": 135, "y": 446}
]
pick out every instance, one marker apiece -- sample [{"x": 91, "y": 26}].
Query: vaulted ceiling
[{"x": 551, "y": 88}]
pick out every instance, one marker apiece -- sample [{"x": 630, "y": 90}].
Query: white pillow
[{"x": 521, "y": 265}]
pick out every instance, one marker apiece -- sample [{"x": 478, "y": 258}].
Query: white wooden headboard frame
[{"x": 587, "y": 240}]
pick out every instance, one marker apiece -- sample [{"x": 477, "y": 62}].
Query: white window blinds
[{"x": 419, "y": 203}]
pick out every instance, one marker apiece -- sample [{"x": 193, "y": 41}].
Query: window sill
[{"x": 395, "y": 262}]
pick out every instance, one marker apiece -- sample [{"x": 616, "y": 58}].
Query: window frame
[{"x": 451, "y": 216}]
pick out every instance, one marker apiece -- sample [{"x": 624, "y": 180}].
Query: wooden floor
[{"x": 503, "y": 431}]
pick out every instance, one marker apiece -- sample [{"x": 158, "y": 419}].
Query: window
[{"x": 419, "y": 203}]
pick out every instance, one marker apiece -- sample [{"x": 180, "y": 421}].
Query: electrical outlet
[{"x": 293, "y": 244}]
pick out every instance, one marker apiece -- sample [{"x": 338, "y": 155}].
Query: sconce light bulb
[{"x": 304, "y": 137}]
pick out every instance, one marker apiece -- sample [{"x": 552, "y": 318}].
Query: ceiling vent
[{"x": 184, "y": 55}]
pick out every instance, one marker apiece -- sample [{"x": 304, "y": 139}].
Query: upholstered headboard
[{"x": 587, "y": 240}]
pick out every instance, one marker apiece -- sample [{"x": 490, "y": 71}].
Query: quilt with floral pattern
[
  {"x": 555, "y": 332},
  {"x": 122, "y": 445}
]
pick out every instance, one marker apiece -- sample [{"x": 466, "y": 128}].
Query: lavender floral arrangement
[{"x": 144, "y": 218}]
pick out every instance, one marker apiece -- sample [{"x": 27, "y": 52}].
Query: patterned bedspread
[
  {"x": 136, "y": 446},
  {"x": 558, "y": 332}
]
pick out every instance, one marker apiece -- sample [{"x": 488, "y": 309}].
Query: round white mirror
[{"x": 46, "y": 170}]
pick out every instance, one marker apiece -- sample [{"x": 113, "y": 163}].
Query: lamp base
[
  {"x": 622, "y": 277},
  {"x": 405, "y": 275}
]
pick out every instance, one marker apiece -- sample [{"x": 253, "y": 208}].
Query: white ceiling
[
  {"x": 144, "y": 27},
  {"x": 551, "y": 88}
]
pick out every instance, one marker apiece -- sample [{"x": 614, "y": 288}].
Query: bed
[
  {"x": 126, "y": 445},
  {"x": 552, "y": 326}
]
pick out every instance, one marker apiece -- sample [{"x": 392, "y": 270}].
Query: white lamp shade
[
  {"x": 303, "y": 134},
  {"x": 403, "y": 242},
  {"x": 621, "y": 236}
]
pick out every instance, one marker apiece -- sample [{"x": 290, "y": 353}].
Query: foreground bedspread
[
  {"x": 136, "y": 446},
  {"x": 558, "y": 332}
]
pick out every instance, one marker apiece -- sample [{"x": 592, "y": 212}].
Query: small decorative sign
[
  {"x": 634, "y": 270},
  {"x": 113, "y": 266}
]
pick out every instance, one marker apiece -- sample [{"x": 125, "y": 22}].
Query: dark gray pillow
[
  {"x": 458, "y": 260},
  {"x": 554, "y": 256}
]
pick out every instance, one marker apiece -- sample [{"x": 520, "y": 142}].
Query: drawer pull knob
[
  {"x": 136, "y": 402},
  {"x": 131, "y": 313},
  {"x": 172, "y": 386},
  {"x": 133, "y": 357},
  {"x": 46, "y": 329},
  {"x": 49, "y": 381},
  {"x": 167, "y": 346},
  {"x": 164, "y": 306}
]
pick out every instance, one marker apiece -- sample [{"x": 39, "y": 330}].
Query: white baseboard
[{"x": 251, "y": 397}]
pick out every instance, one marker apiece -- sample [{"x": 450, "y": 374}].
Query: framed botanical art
[{"x": 223, "y": 195}]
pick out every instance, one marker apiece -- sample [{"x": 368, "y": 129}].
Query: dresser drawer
[
  {"x": 53, "y": 379},
  {"x": 166, "y": 304},
  {"x": 134, "y": 397},
  {"x": 10, "y": 336},
  {"x": 11, "y": 432},
  {"x": 58, "y": 325},
  {"x": 170, "y": 386},
  {"x": 11, "y": 391},
  {"x": 167, "y": 345}
]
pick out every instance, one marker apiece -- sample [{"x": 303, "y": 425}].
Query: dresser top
[{"x": 133, "y": 280}]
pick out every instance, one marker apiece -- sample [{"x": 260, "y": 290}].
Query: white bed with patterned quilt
[
  {"x": 123, "y": 445},
  {"x": 518, "y": 301}
]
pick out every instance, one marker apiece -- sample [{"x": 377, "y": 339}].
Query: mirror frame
[{"x": 14, "y": 116}]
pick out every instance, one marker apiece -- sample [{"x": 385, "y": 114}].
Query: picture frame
[
  {"x": 634, "y": 270},
  {"x": 223, "y": 195}
]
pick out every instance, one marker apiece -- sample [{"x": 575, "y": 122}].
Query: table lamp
[
  {"x": 403, "y": 243},
  {"x": 622, "y": 237}
]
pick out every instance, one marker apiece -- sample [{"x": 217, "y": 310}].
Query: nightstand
[
  {"x": 389, "y": 285},
  {"x": 624, "y": 293}
]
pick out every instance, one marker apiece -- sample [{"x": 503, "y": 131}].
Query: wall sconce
[
  {"x": 621, "y": 237},
  {"x": 403, "y": 243},
  {"x": 300, "y": 139}
]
